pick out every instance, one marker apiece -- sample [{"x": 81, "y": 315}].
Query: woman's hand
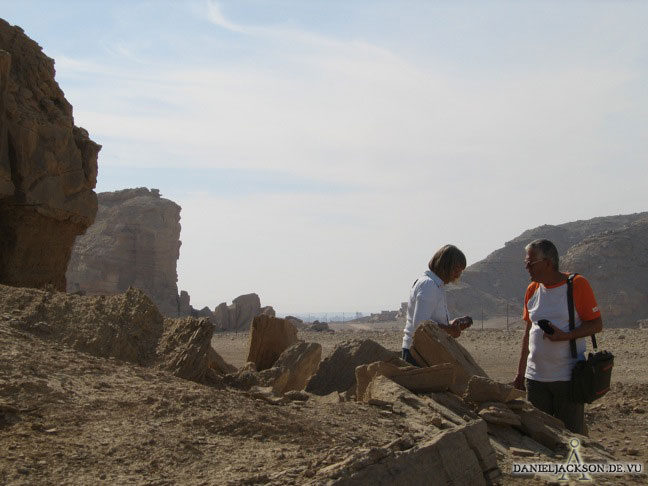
[
  {"x": 453, "y": 329},
  {"x": 462, "y": 322}
]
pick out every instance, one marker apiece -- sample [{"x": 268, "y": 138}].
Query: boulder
[
  {"x": 185, "y": 350},
  {"x": 432, "y": 346},
  {"x": 482, "y": 389},
  {"x": 417, "y": 380},
  {"x": 134, "y": 241},
  {"x": 269, "y": 337},
  {"x": 243, "y": 379},
  {"x": 318, "y": 326},
  {"x": 337, "y": 371},
  {"x": 48, "y": 168},
  {"x": 294, "y": 367}
]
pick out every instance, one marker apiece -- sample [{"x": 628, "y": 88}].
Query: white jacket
[{"x": 427, "y": 302}]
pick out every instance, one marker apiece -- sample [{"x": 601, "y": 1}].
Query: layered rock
[
  {"x": 496, "y": 284},
  {"x": 135, "y": 241},
  {"x": 336, "y": 373},
  {"x": 48, "y": 168},
  {"x": 433, "y": 346}
]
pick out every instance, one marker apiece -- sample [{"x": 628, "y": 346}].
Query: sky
[{"x": 322, "y": 151}]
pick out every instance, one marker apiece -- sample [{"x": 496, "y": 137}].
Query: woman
[{"x": 427, "y": 297}]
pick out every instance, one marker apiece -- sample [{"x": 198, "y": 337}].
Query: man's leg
[
  {"x": 539, "y": 394},
  {"x": 571, "y": 413}
]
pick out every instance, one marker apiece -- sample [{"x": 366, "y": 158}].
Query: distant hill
[{"x": 611, "y": 251}]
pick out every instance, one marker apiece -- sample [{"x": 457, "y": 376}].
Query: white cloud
[
  {"x": 215, "y": 15},
  {"x": 440, "y": 151}
]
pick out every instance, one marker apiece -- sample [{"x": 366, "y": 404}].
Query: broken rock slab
[
  {"x": 269, "y": 337},
  {"x": 460, "y": 456},
  {"x": 418, "y": 380},
  {"x": 498, "y": 413},
  {"x": 293, "y": 368},
  {"x": 483, "y": 389},
  {"x": 337, "y": 371},
  {"x": 185, "y": 350},
  {"x": 432, "y": 346}
]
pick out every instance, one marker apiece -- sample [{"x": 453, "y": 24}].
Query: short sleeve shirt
[{"x": 549, "y": 360}]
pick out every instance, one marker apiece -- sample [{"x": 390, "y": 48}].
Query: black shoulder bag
[{"x": 590, "y": 378}]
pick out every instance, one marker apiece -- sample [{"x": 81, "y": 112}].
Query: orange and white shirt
[{"x": 549, "y": 360}]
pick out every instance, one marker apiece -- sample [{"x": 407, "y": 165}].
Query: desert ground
[
  {"x": 619, "y": 421},
  {"x": 72, "y": 418}
]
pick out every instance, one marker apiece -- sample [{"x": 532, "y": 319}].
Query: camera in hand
[{"x": 544, "y": 325}]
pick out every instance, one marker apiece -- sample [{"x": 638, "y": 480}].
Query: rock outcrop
[
  {"x": 135, "y": 241},
  {"x": 238, "y": 316},
  {"x": 125, "y": 326},
  {"x": 269, "y": 337},
  {"x": 48, "y": 168},
  {"x": 610, "y": 251}
]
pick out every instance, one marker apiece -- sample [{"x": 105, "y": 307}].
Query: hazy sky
[{"x": 323, "y": 150}]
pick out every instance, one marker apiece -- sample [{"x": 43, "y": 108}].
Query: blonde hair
[{"x": 446, "y": 260}]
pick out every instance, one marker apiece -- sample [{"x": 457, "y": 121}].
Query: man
[{"x": 546, "y": 361}]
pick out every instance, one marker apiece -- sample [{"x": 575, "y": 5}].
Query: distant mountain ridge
[{"x": 611, "y": 251}]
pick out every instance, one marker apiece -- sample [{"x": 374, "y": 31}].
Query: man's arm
[
  {"x": 524, "y": 354},
  {"x": 587, "y": 328}
]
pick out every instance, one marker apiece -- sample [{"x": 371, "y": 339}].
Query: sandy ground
[{"x": 70, "y": 418}]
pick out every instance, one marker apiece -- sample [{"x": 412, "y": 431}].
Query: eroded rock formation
[
  {"x": 135, "y": 241},
  {"x": 48, "y": 168},
  {"x": 239, "y": 314}
]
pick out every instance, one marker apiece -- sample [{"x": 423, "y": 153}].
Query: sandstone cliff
[
  {"x": 135, "y": 241},
  {"x": 48, "y": 167},
  {"x": 583, "y": 245}
]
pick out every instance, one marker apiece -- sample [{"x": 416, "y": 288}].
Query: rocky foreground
[{"x": 99, "y": 390}]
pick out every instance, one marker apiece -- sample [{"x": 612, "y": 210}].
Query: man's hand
[
  {"x": 557, "y": 335},
  {"x": 518, "y": 382}
]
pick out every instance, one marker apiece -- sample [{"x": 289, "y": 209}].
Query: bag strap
[{"x": 570, "y": 308}]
